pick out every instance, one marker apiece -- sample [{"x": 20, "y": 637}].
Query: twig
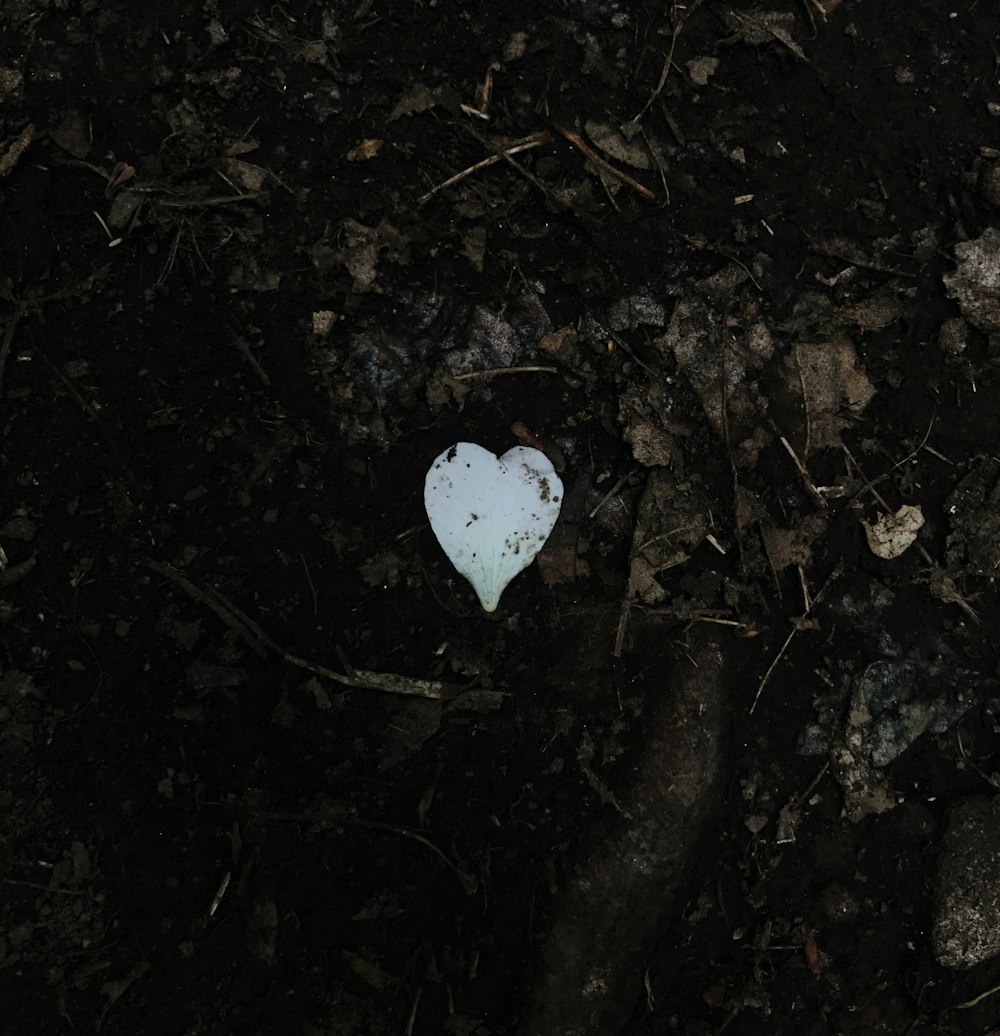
[
  {"x": 219, "y": 604},
  {"x": 535, "y": 140},
  {"x": 561, "y": 200},
  {"x": 664, "y": 72},
  {"x": 622, "y": 623},
  {"x": 669, "y": 60},
  {"x": 612, "y": 491},
  {"x": 312, "y": 587},
  {"x": 333, "y": 814},
  {"x": 592, "y": 156},
  {"x": 799, "y": 466},
  {"x": 496, "y": 371},
  {"x": 869, "y": 486},
  {"x": 217, "y": 898},
  {"x": 468, "y": 881},
  {"x": 258, "y": 640},
  {"x": 208, "y": 203},
  {"x": 244, "y": 347},
  {"x": 838, "y": 569},
  {"x": 44, "y": 888}
]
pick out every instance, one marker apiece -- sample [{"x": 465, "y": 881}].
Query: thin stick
[
  {"x": 497, "y": 371},
  {"x": 795, "y": 629},
  {"x": 217, "y": 899},
  {"x": 592, "y": 156},
  {"x": 554, "y": 196},
  {"x": 312, "y": 587},
  {"x": 612, "y": 492},
  {"x": 536, "y": 140},
  {"x": 258, "y": 640},
  {"x": 244, "y": 347},
  {"x": 336, "y": 815},
  {"x": 208, "y": 203},
  {"x": 869, "y": 485},
  {"x": 799, "y": 466},
  {"x": 44, "y": 888},
  {"x": 622, "y": 624},
  {"x": 665, "y": 71}
]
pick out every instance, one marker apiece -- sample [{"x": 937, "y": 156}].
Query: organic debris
[{"x": 723, "y": 759}]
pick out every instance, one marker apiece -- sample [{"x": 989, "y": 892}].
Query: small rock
[
  {"x": 952, "y": 336},
  {"x": 967, "y": 895},
  {"x": 628, "y": 313},
  {"x": 19, "y": 528}
]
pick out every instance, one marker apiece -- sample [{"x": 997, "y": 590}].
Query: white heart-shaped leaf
[{"x": 491, "y": 514}]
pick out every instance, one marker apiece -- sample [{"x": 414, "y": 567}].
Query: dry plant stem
[
  {"x": 259, "y": 641},
  {"x": 825, "y": 7},
  {"x": 497, "y": 371},
  {"x": 622, "y": 624},
  {"x": 664, "y": 72},
  {"x": 803, "y": 797},
  {"x": 557, "y": 199},
  {"x": 805, "y": 411},
  {"x": 795, "y": 629},
  {"x": 244, "y": 347},
  {"x": 553, "y": 196},
  {"x": 45, "y": 888},
  {"x": 312, "y": 587},
  {"x": 661, "y": 163},
  {"x": 339, "y": 816},
  {"x": 799, "y": 466},
  {"x": 940, "y": 456},
  {"x": 217, "y": 898},
  {"x": 806, "y": 599},
  {"x": 869, "y": 485},
  {"x": 612, "y": 492},
  {"x": 411, "y": 1019},
  {"x": 207, "y": 203},
  {"x": 619, "y": 341},
  {"x": 721, "y": 622},
  {"x": 669, "y": 60},
  {"x": 592, "y": 156},
  {"x": 536, "y": 140}
]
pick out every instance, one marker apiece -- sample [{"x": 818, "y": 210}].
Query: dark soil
[{"x": 266, "y": 766}]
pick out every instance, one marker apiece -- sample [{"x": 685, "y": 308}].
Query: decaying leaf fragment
[
  {"x": 721, "y": 345},
  {"x": 762, "y": 27},
  {"x": 786, "y": 547},
  {"x": 832, "y": 382},
  {"x": 652, "y": 436},
  {"x": 976, "y": 281},
  {"x": 614, "y": 143},
  {"x": 891, "y": 534},
  {"x": 16, "y": 148},
  {"x": 672, "y": 521},
  {"x": 364, "y": 246}
]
